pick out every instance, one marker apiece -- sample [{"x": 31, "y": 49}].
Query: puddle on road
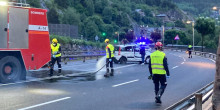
[
  {"x": 73, "y": 79},
  {"x": 100, "y": 67}
]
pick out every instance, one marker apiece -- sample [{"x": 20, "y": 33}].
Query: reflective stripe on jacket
[
  {"x": 55, "y": 49},
  {"x": 157, "y": 58},
  {"x": 111, "y": 48}
]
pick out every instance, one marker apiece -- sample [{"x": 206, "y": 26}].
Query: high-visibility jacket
[
  {"x": 156, "y": 59},
  {"x": 111, "y": 53},
  {"x": 55, "y": 49}
]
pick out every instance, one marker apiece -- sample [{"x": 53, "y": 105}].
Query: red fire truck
[{"x": 24, "y": 41}]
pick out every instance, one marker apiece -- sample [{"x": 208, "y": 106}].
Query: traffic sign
[
  {"x": 177, "y": 37},
  {"x": 96, "y": 37}
]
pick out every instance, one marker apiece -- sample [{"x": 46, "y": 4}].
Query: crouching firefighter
[
  {"x": 159, "y": 71},
  {"x": 56, "y": 56},
  {"x": 109, "y": 58}
]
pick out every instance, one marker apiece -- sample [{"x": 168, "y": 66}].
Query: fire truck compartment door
[
  {"x": 3, "y": 26},
  {"x": 18, "y": 25}
]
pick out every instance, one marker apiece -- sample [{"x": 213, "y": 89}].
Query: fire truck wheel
[{"x": 10, "y": 69}]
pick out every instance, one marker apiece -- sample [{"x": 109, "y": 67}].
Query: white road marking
[
  {"x": 182, "y": 62},
  {"x": 175, "y": 67},
  {"x": 53, "y": 101},
  {"x": 125, "y": 83},
  {"x": 184, "y": 59},
  {"x": 212, "y": 60}
]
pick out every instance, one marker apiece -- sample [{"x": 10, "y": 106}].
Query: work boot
[
  {"x": 158, "y": 100},
  {"x": 106, "y": 74},
  {"x": 59, "y": 72},
  {"x": 51, "y": 72},
  {"x": 112, "y": 72}
]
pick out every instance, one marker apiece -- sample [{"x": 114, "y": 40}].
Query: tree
[
  {"x": 63, "y": 3},
  {"x": 70, "y": 16},
  {"x": 34, "y": 3},
  {"x": 107, "y": 15},
  {"x": 90, "y": 7},
  {"x": 179, "y": 23},
  {"x": 53, "y": 16},
  {"x": 216, "y": 94},
  {"x": 156, "y": 36},
  {"x": 205, "y": 27},
  {"x": 130, "y": 36},
  {"x": 171, "y": 34},
  {"x": 100, "y": 5},
  {"x": 136, "y": 16},
  {"x": 90, "y": 30}
]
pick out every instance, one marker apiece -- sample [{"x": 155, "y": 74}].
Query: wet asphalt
[{"x": 129, "y": 89}]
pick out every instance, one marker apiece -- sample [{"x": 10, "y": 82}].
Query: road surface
[{"x": 129, "y": 89}]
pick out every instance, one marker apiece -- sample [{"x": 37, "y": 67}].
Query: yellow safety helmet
[
  {"x": 106, "y": 40},
  {"x": 54, "y": 40}
]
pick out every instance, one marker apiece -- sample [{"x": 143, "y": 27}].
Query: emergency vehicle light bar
[{"x": 18, "y": 4}]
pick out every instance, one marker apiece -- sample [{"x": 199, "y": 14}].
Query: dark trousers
[
  {"x": 190, "y": 54},
  {"x": 142, "y": 57},
  {"x": 53, "y": 61},
  {"x": 160, "y": 83},
  {"x": 109, "y": 63}
]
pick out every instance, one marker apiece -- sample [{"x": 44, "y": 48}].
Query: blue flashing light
[{"x": 142, "y": 41}]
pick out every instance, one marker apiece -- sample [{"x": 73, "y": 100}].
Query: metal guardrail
[
  {"x": 203, "y": 54},
  {"x": 86, "y": 54},
  {"x": 191, "y": 99},
  {"x": 195, "y": 100},
  {"x": 81, "y": 56}
]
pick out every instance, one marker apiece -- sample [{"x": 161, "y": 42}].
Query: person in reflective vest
[
  {"x": 190, "y": 51},
  {"x": 159, "y": 71},
  {"x": 56, "y": 56},
  {"x": 109, "y": 58}
]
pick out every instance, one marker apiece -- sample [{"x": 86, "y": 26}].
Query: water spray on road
[{"x": 100, "y": 65}]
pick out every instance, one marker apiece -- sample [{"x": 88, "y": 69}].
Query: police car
[{"x": 131, "y": 53}]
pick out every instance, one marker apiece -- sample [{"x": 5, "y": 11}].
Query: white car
[{"x": 124, "y": 53}]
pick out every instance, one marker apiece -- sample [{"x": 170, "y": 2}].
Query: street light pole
[
  {"x": 118, "y": 39},
  {"x": 193, "y": 29},
  {"x": 193, "y": 24},
  {"x": 163, "y": 34}
]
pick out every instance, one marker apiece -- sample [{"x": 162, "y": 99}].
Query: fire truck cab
[{"x": 24, "y": 41}]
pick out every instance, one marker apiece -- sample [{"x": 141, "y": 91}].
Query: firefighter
[
  {"x": 159, "y": 71},
  {"x": 56, "y": 56},
  {"x": 109, "y": 58},
  {"x": 190, "y": 51}
]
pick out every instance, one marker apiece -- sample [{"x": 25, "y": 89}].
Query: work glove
[
  {"x": 110, "y": 60},
  {"x": 54, "y": 56},
  {"x": 168, "y": 77},
  {"x": 150, "y": 77}
]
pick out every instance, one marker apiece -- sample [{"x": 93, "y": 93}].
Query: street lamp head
[
  {"x": 215, "y": 8},
  {"x": 188, "y": 22},
  {"x": 3, "y": 3}
]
